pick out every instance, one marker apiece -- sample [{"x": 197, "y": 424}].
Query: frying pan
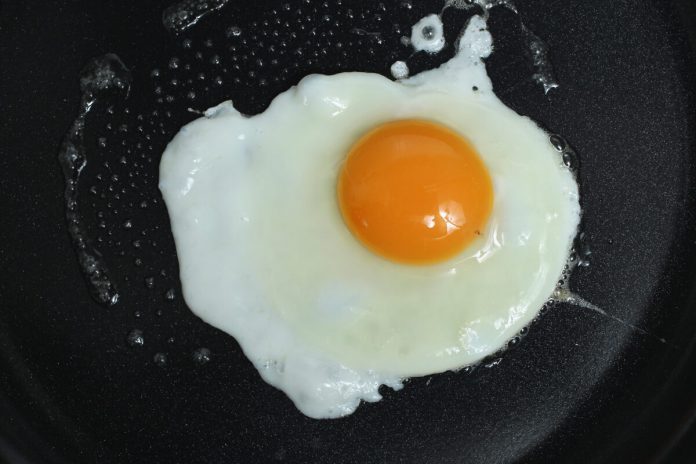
[{"x": 580, "y": 387}]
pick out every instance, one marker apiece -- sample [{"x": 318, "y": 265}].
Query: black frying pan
[{"x": 581, "y": 386}]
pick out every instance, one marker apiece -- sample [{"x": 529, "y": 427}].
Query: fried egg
[{"x": 361, "y": 231}]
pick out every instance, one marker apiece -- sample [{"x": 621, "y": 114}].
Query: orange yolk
[{"x": 413, "y": 191}]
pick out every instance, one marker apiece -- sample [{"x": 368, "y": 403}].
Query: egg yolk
[{"x": 414, "y": 191}]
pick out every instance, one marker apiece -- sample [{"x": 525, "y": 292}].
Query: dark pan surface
[{"x": 580, "y": 387}]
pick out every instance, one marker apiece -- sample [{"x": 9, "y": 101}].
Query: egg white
[{"x": 265, "y": 255}]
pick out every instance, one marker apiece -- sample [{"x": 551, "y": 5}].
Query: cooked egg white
[{"x": 266, "y": 256}]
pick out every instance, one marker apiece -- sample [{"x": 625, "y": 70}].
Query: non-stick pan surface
[{"x": 580, "y": 387}]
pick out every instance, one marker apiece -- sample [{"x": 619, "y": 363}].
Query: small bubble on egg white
[
  {"x": 399, "y": 70},
  {"x": 428, "y": 34}
]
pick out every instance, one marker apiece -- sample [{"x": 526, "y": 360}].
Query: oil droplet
[
  {"x": 160, "y": 359},
  {"x": 234, "y": 31},
  {"x": 135, "y": 338},
  {"x": 557, "y": 142},
  {"x": 201, "y": 356}
]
